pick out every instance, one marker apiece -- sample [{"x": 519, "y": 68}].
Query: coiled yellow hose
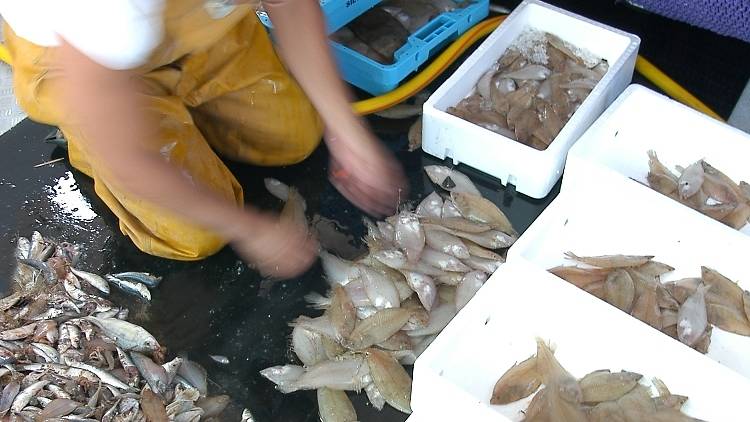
[
  {"x": 447, "y": 57},
  {"x": 4, "y": 54},
  {"x": 458, "y": 47}
]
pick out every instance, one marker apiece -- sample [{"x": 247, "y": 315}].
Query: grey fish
[
  {"x": 131, "y": 371},
  {"x": 134, "y": 288},
  {"x": 220, "y": 359},
  {"x": 9, "y": 301},
  {"x": 8, "y": 396},
  {"x": 154, "y": 374},
  {"x": 193, "y": 374},
  {"x": 23, "y": 276},
  {"x": 213, "y": 406},
  {"x": 126, "y": 335},
  {"x": 94, "y": 280},
  {"x": 104, "y": 376},
  {"x": 57, "y": 408},
  {"x": 247, "y": 416},
  {"x": 18, "y": 333},
  {"x": 148, "y": 279},
  {"x": 49, "y": 274},
  {"x": 46, "y": 352},
  {"x": 171, "y": 367},
  {"x": 23, "y": 398},
  {"x": 381, "y": 32}
]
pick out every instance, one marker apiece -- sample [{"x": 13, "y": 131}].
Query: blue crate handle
[{"x": 427, "y": 40}]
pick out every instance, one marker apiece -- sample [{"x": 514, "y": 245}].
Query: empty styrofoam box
[
  {"x": 616, "y": 216},
  {"x": 641, "y": 120},
  {"x": 455, "y": 376},
  {"x": 533, "y": 172}
]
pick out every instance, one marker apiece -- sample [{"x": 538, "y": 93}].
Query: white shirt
[{"x": 118, "y": 34}]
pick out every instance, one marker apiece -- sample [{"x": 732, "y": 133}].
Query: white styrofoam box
[
  {"x": 455, "y": 375},
  {"x": 418, "y": 418},
  {"x": 533, "y": 172},
  {"x": 615, "y": 216},
  {"x": 640, "y": 120}
]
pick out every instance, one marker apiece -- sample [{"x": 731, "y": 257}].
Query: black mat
[{"x": 213, "y": 307}]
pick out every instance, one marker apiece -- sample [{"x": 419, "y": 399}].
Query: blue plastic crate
[
  {"x": 338, "y": 13},
  {"x": 377, "y": 78}
]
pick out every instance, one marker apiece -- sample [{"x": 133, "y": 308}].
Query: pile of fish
[
  {"x": 386, "y": 307},
  {"x": 381, "y": 31},
  {"x": 600, "y": 396},
  {"x": 532, "y": 90},
  {"x": 703, "y": 188},
  {"x": 69, "y": 354},
  {"x": 686, "y": 309}
]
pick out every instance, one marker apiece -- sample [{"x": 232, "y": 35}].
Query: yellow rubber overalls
[{"x": 214, "y": 84}]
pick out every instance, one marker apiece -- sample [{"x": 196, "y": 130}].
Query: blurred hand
[
  {"x": 366, "y": 173},
  {"x": 277, "y": 248}
]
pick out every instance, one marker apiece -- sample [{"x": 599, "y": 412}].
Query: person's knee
[
  {"x": 302, "y": 137},
  {"x": 309, "y": 138},
  {"x": 195, "y": 243},
  {"x": 182, "y": 243}
]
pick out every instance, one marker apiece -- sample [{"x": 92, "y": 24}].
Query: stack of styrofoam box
[
  {"x": 533, "y": 172},
  {"x": 603, "y": 208},
  {"x": 642, "y": 120}
]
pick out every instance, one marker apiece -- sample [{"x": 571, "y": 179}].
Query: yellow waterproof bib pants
[{"x": 213, "y": 84}]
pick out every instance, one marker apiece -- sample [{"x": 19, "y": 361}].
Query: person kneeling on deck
[{"x": 145, "y": 91}]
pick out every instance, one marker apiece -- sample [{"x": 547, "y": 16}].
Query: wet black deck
[
  {"x": 208, "y": 307},
  {"x": 213, "y": 306}
]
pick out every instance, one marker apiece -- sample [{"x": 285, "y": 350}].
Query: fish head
[{"x": 687, "y": 188}]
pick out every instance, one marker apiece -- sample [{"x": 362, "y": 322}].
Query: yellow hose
[
  {"x": 458, "y": 47},
  {"x": 672, "y": 88},
  {"x": 441, "y": 62},
  {"x": 5, "y": 54},
  {"x": 432, "y": 71}
]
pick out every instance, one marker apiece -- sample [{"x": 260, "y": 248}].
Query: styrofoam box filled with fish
[
  {"x": 533, "y": 172},
  {"x": 613, "y": 216},
  {"x": 642, "y": 120},
  {"x": 455, "y": 376}
]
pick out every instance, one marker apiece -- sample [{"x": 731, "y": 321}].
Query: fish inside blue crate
[{"x": 381, "y": 31}]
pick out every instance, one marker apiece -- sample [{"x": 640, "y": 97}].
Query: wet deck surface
[{"x": 214, "y": 306}]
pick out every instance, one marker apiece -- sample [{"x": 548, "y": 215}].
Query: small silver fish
[
  {"x": 148, "y": 279},
  {"x": 154, "y": 374},
  {"x": 220, "y": 359},
  {"x": 135, "y": 288},
  {"x": 126, "y": 335},
  {"x": 93, "y": 279},
  {"x": 247, "y": 416},
  {"x": 194, "y": 374}
]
